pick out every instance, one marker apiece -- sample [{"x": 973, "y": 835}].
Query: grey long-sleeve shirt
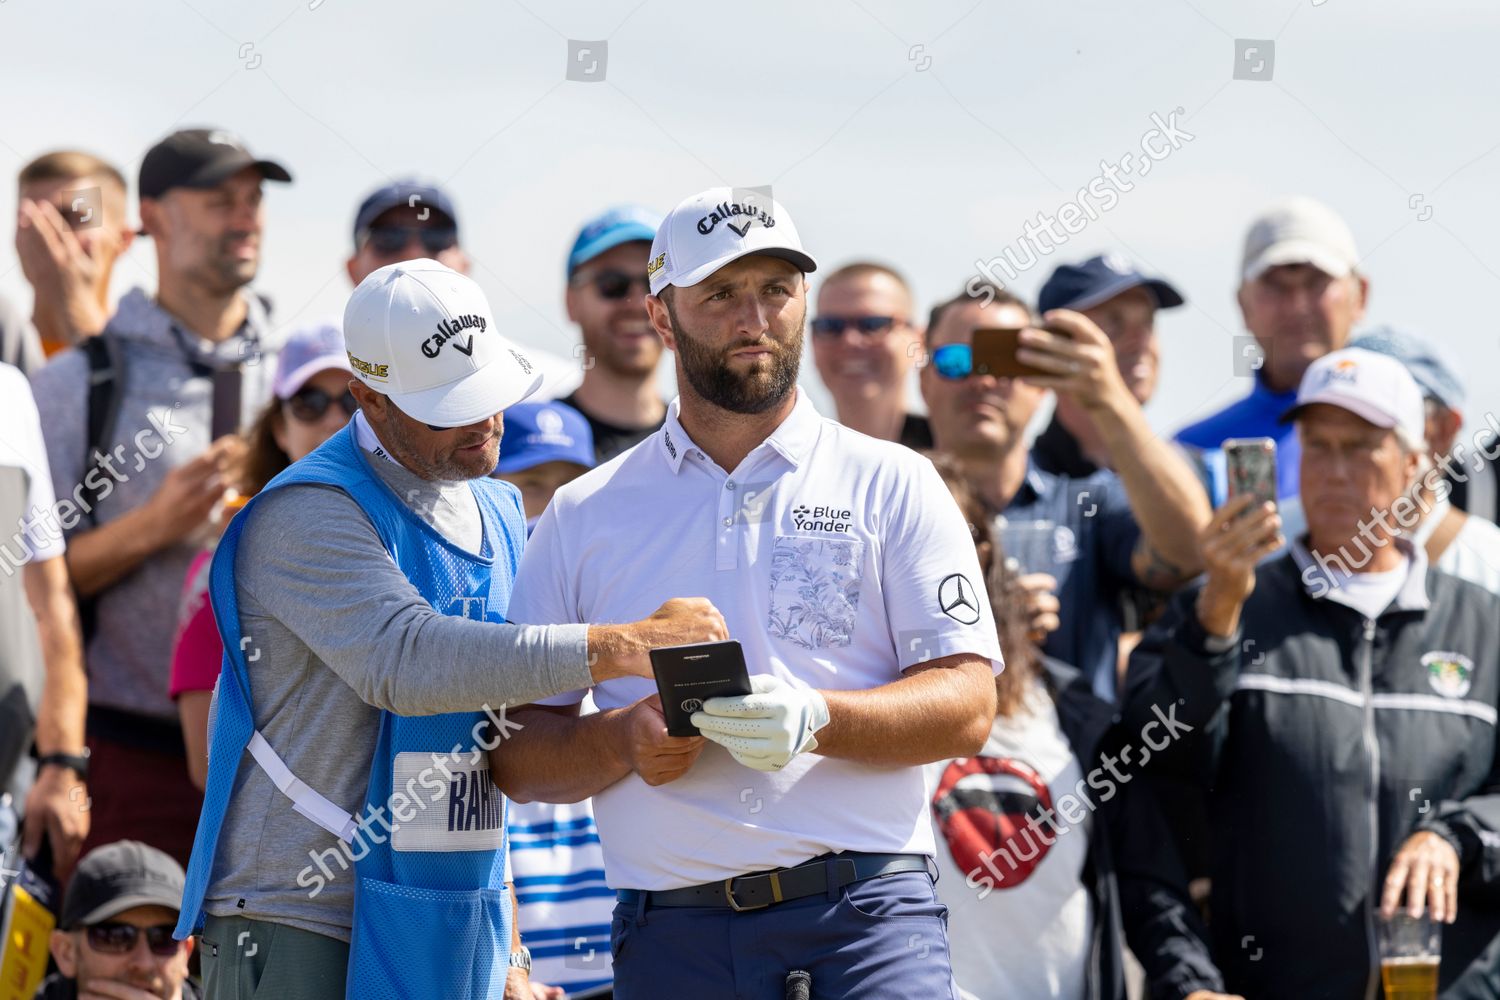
[{"x": 336, "y": 633}]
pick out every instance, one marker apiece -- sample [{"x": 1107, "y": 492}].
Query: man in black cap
[
  {"x": 114, "y": 938},
  {"x": 1122, "y": 301},
  {"x": 140, "y": 428}
]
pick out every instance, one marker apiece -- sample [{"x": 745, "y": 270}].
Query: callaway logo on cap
[
  {"x": 717, "y": 227},
  {"x": 422, "y": 334}
]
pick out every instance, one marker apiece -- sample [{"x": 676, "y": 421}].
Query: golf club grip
[{"x": 798, "y": 986}]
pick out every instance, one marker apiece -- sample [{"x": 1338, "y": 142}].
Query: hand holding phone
[
  {"x": 996, "y": 349},
  {"x": 1250, "y": 464}
]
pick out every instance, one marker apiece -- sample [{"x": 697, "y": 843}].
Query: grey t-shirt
[
  {"x": 335, "y": 633},
  {"x": 164, "y": 420}
]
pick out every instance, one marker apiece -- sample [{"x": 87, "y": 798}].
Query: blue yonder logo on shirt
[{"x": 837, "y": 519}]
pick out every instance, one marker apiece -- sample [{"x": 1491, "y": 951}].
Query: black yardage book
[{"x": 687, "y": 676}]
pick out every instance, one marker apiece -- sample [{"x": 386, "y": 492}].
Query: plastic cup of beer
[{"x": 1409, "y": 951}]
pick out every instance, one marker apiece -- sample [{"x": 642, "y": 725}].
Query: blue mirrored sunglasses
[{"x": 954, "y": 361}]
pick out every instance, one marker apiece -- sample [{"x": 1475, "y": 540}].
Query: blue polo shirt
[
  {"x": 1257, "y": 415},
  {"x": 1082, "y": 531}
]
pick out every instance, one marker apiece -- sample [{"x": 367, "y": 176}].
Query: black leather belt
[{"x": 759, "y": 890}]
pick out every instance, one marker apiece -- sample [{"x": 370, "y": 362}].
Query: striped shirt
[{"x": 565, "y": 906}]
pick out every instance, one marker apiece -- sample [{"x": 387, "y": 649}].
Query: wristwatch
[
  {"x": 521, "y": 959},
  {"x": 77, "y": 763}
]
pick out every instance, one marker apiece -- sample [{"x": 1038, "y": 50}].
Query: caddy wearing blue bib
[{"x": 432, "y": 916}]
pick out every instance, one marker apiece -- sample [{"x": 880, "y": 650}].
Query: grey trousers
[{"x": 245, "y": 959}]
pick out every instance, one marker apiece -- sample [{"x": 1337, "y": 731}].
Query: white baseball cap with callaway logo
[
  {"x": 422, "y": 334},
  {"x": 1373, "y": 386},
  {"x": 717, "y": 227}
]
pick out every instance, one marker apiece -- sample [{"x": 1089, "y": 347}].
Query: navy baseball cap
[
  {"x": 409, "y": 192},
  {"x": 621, "y": 224},
  {"x": 536, "y": 433},
  {"x": 1098, "y": 279},
  {"x": 1434, "y": 376}
]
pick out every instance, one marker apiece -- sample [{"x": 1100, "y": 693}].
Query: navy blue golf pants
[{"x": 881, "y": 939}]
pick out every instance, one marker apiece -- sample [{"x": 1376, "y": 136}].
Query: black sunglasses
[
  {"x": 616, "y": 285},
  {"x": 387, "y": 240},
  {"x": 868, "y": 326},
  {"x": 119, "y": 939},
  {"x": 309, "y": 403}
]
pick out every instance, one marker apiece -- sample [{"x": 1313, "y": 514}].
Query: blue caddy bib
[{"x": 432, "y": 917}]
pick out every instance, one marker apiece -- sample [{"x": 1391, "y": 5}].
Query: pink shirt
[{"x": 198, "y": 651}]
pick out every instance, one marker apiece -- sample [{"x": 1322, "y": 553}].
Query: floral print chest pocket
[{"x": 815, "y": 590}]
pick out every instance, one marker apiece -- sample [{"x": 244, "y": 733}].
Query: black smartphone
[
  {"x": 687, "y": 676},
  {"x": 994, "y": 352},
  {"x": 1251, "y": 468}
]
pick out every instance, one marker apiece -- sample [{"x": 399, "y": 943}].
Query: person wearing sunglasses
[
  {"x": 310, "y": 402},
  {"x": 1093, "y": 537},
  {"x": 114, "y": 937},
  {"x": 404, "y": 220},
  {"x": 864, "y": 346},
  {"x": 606, "y": 297},
  {"x": 362, "y": 596},
  {"x": 409, "y": 219}
]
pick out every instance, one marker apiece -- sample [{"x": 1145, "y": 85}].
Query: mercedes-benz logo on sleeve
[{"x": 957, "y": 599}]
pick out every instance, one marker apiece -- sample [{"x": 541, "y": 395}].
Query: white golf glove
[{"x": 769, "y": 726}]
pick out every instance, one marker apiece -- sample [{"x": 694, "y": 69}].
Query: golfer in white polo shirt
[{"x": 795, "y": 837}]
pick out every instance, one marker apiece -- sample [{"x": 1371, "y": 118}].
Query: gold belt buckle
[{"x": 734, "y": 904}]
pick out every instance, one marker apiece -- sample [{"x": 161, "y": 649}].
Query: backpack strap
[{"x": 106, "y": 386}]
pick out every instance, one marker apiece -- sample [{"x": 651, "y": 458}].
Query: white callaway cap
[
  {"x": 719, "y": 226},
  {"x": 1373, "y": 386},
  {"x": 1299, "y": 231},
  {"x": 422, "y": 334}
]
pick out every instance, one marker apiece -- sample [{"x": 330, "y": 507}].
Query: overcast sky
[{"x": 924, "y": 134}]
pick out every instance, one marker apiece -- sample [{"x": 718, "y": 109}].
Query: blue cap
[
  {"x": 1434, "y": 376},
  {"x": 621, "y": 224},
  {"x": 544, "y": 432},
  {"x": 1098, "y": 279},
  {"x": 408, "y": 191}
]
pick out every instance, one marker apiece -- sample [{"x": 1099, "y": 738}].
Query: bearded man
[{"x": 844, "y": 568}]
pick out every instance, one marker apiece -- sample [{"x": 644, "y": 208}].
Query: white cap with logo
[
  {"x": 1299, "y": 230},
  {"x": 717, "y": 227},
  {"x": 1370, "y": 385},
  {"x": 422, "y": 334}
]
